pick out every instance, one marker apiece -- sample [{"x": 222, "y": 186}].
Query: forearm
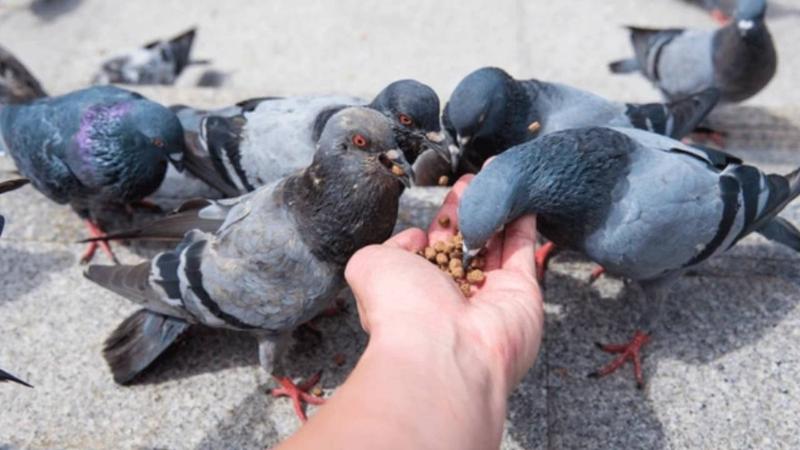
[{"x": 406, "y": 393}]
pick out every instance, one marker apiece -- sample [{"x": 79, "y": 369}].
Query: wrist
[{"x": 448, "y": 371}]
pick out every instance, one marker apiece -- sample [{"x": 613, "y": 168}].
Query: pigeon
[
  {"x": 7, "y": 186},
  {"x": 739, "y": 59},
  {"x": 720, "y": 10},
  {"x": 489, "y": 111},
  {"x": 258, "y": 141},
  {"x": 646, "y": 207},
  {"x": 17, "y": 84},
  {"x": 100, "y": 149},
  {"x": 269, "y": 260},
  {"x": 159, "y": 62}
]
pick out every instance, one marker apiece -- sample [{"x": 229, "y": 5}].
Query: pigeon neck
[
  {"x": 340, "y": 211},
  {"x": 743, "y": 63}
]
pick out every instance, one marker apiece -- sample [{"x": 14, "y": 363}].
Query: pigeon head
[
  {"x": 413, "y": 108},
  {"x": 478, "y": 106},
  {"x": 362, "y": 140},
  {"x": 487, "y": 205},
  {"x": 749, "y": 14},
  {"x": 161, "y": 131}
]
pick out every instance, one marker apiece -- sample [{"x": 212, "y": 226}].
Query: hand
[
  {"x": 438, "y": 367},
  {"x": 405, "y": 301}
]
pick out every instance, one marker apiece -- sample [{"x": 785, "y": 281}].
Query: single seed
[
  {"x": 444, "y": 180},
  {"x": 476, "y": 276},
  {"x": 457, "y": 272},
  {"x": 454, "y": 262},
  {"x": 430, "y": 253},
  {"x": 397, "y": 170},
  {"x": 316, "y": 391},
  {"x": 442, "y": 259},
  {"x": 534, "y": 127},
  {"x": 465, "y": 289}
]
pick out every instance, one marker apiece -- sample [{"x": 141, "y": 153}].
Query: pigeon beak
[
  {"x": 440, "y": 142},
  {"x": 469, "y": 254},
  {"x": 455, "y": 156},
  {"x": 463, "y": 141},
  {"x": 396, "y": 162},
  {"x": 177, "y": 160}
]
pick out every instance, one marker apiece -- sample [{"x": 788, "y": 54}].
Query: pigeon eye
[
  {"x": 158, "y": 143},
  {"x": 405, "y": 120},
  {"x": 359, "y": 141}
]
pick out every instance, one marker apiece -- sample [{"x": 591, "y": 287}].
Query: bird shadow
[
  {"x": 23, "y": 271},
  {"x": 763, "y": 134},
  {"x": 734, "y": 299},
  {"x": 49, "y": 10}
]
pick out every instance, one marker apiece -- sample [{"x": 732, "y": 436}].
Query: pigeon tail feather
[{"x": 138, "y": 341}]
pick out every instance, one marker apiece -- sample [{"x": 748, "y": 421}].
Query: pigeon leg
[
  {"x": 542, "y": 258},
  {"x": 299, "y": 393},
  {"x": 597, "y": 272},
  {"x": 88, "y": 254},
  {"x": 630, "y": 351},
  {"x": 705, "y": 135},
  {"x": 270, "y": 347},
  {"x": 720, "y": 17}
]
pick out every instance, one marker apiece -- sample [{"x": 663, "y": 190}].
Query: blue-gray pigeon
[
  {"x": 258, "y": 141},
  {"x": 100, "y": 149},
  {"x": 644, "y": 206},
  {"x": 739, "y": 59},
  {"x": 158, "y": 62},
  {"x": 267, "y": 261},
  {"x": 489, "y": 111}
]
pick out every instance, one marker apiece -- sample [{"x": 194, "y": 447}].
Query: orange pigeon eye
[
  {"x": 405, "y": 120},
  {"x": 359, "y": 141},
  {"x": 158, "y": 143}
]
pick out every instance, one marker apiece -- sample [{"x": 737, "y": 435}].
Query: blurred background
[{"x": 358, "y": 47}]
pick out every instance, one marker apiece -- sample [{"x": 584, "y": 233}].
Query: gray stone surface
[{"x": 721, "y": 372}]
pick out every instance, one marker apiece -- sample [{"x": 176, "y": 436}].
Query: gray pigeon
[
  {"x": 738, "y": 59},
  {"x": 258, "y": 141},
  {"x": 489, "y": 111},
  {"x": 644, "y": 206},
  {"x": 269, "y": 260},
  {"x": 100, "y": 149},
  {"x": 159, "y": 62},
  {"x": 17, "y": 84}
]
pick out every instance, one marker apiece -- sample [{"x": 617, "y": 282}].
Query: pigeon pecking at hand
[
  {"x": 158, "y": 62},
  {"x": 258, "y": 141},
  {"x": 101, "y": 149},
  {"x": 489, "y": 111},
  {"x": 17, "y": 84},
  {"x": 268, "y": 261},
  {"x": 644, "y": 206},
  {"x": 739, "y": 59}
]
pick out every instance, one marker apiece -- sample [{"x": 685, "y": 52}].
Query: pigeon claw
[
  {"x": 91, "y": 248},
  {"x": 630, "y": 351},
  {"x": 542, "y": 258},
  {"x": 299, "y": 393}
]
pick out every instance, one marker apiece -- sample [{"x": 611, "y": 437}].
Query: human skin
[{"x": 439, "y": 367}]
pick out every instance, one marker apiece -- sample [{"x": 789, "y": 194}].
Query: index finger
[{"x": 449, "y": 209}]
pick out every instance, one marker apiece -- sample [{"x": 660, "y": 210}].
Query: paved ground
[{"x": 722, "y": 371}]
